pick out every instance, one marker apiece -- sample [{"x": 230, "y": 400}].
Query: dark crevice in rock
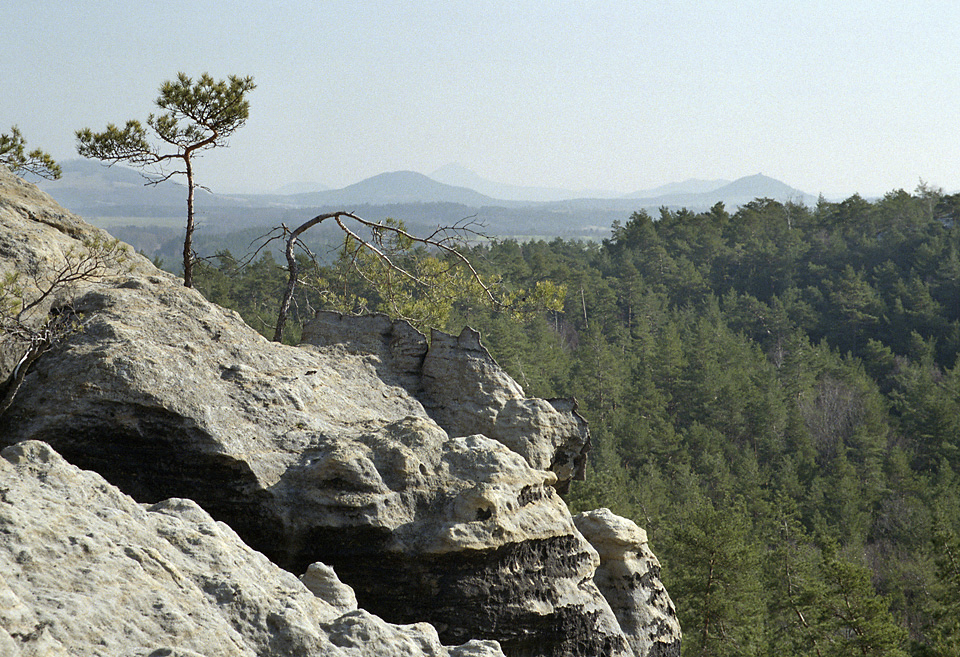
[
  {"x": 531, "y": 494},
  {"x": 665, "y": 650},
  {"x": 474, "y": 594},
  {"x": 152, "y": 454}
]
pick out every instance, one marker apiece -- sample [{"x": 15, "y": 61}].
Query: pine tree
[
  {"x": 856, "y": 620},
  {"x": 14, "y": 155},
  {"x": 713, "y": 574},
  {"x": 197, "y": 116}
]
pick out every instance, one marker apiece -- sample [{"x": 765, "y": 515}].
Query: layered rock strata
[
  {"x": 88, "y": 571},
  {"x": 629, "y": 578},
  {"x": 319, "y": 453}
]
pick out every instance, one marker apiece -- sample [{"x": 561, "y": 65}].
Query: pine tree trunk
[{"x": 188, "y": 239}]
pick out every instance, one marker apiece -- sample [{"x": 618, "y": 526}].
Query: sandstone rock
[
  {"x": 629, "y": 578},
  {"x": 467, "y": 392},
  {"x": 310, "y": 454},
  {"x": 88, "y": 571},
  {"x": 324, "y": 583},
  {"x": 463, "y": 389}
]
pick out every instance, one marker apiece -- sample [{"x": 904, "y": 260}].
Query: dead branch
[
  {"x": 87, "y": 265},
  {"x": 39, "y": 341},
  {"x": 446, "y": 239}
]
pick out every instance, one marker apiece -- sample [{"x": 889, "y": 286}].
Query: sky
[{"x": 832, "y": 97}]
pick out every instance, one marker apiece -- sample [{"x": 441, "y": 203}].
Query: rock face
[
  {"x": 464, "y": 390},
  {"x": 348, "y": 452},
  {"x": 629, "y": 578},
  {"x": 88, "y": 571}
]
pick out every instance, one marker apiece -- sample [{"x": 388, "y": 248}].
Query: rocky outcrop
[
  {"x": 88, "y": 571},
  {"x": 398, "y": 348},
  {"x": 321, "y": 453},
  {"x": 629, "y": 578},
  {"x": 464, "y": 390}
]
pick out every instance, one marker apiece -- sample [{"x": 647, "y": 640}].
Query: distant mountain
[
  {"x": 395, "y": 187},
  {"x": 759, "y": 186},
  {"x": 734, "y": 194},
  {"x": 89, "y": 184},
  {"x": 455, "y": 174},
  {"x": 300, "y": 188},
  {"x": 93, "y": 189},
  {"x": 691, "y": 186}
]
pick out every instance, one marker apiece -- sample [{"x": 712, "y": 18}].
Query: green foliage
[
  {"x": 773, "y": 392},
  {"x": 201, "y": 114},
  {"x": 401, "y": 278},
  {"x": 252, "y": 289},
  {"x": 854, "y": 619},
  {"x": 126, "y": 144},
  {"x": 398, "y": 276},
  {"x": 945, "y": 607},
  {"x": 715, "y": 580},
  {"x": 198, "y": 115},
  {"x": 14, "y": 155}
]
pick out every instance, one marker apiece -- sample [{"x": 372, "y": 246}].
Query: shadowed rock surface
[
  {"x": 88, "y": 571},
  {"x": 321, "y": 453}
]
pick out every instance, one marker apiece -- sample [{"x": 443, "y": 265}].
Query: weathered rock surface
[
  {"x": 629, "y": 578},
  {"x": 320, "y": 454},
  {"x": 88, "y": 571},
  {"x": 464, "y": 390}
]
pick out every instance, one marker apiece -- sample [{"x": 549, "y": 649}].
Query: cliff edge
[{"x": 422, "y": 478}]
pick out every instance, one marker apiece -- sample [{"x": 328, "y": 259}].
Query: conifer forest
[{"x": 773, "y": 394}]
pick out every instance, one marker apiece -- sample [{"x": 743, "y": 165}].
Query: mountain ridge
[
  {"x": 396, "y": 187},
  {"x": 460, "y": 176},
  {"x": 688, "y": 186},
  {"x": 91, "y": 188}
]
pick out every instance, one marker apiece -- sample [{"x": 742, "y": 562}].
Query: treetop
[{"x": 212, "y": 109}]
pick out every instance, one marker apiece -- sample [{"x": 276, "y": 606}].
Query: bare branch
[
  {"x": 446, "y": 239},
  {"x": 88, "y": 265},
  {"x": 38, "y": 341},
  {"x": 278, "y": 233},
  {"x": 156, "y": 179}
]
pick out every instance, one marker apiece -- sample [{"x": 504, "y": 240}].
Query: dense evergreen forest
[{"x": 774, "y": 394}]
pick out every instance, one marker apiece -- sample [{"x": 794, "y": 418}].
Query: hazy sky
[{"x": 831, "y": 96}]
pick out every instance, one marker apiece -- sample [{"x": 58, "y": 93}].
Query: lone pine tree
[{"x": 196, "y": 116}]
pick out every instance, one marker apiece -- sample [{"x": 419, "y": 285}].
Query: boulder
[
  {"x": 463, "y": 389},
  {"x": 89, "y": 571}
]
